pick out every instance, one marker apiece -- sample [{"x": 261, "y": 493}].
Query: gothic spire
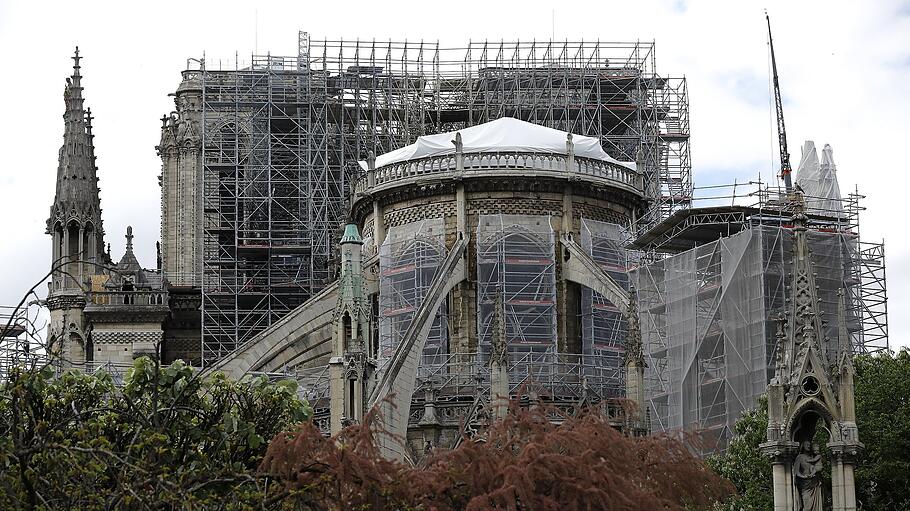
[
  {"x": 803, "y": 367},
  {"x": 77, "y": 183},
  {"x": 805, "y": 322},
  {"x": 129, "y": 262}
]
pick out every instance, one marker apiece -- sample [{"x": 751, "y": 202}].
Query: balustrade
[{"x": 479, "y": 162}]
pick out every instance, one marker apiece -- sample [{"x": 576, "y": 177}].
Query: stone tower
[
  {"x": 812, "y": 388},
  {"x": 75, "y": 226},
  {"x": 180, "y": 150}
]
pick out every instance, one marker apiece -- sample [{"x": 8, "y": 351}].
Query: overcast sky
[{"x": 844, "y": 68}]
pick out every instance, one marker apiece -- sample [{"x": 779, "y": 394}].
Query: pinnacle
[{"x": 76, "y": 58}]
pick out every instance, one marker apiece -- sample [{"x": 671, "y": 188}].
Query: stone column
[
  {"x": 80, "y": 270},
  {"x": 55, "y": 256},
  {"x": 849, "y": 487},
  {"x": 378, "y": 225},
  {"x": 336, "y": 394},
  {"x": 782, "y": 453},
  {"x": 461, "y": 208},
  {"x": 781, "y": 485},
  {"x": 66, "y": 258},
  {"x": 92, "y": 251},
  {"x": 837, "y": 485}
]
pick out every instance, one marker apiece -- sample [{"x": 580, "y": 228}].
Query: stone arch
[
  {"x": 801, "y": 420},
  {"x": 412, "y": 269},
  {"x": 520, "y": 264},
  {"x": 346, "y": 327},
  {"x": 88, "y": 242}
]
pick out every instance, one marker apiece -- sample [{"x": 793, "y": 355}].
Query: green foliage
[
  {"x": 167, "y": 438},
  {"x": 883, "y": 418},
  {"x": 882, "y": 388},
  {"x": 744, "y": 465}
]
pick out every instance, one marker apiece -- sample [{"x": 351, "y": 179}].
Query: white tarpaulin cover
[
  {"x": 819, "y": 180},
  {"x": 505, "y": 134}
]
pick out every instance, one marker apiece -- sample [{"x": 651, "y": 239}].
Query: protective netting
[
  {"x": 604, "y": 326},
  {"x": 818, "y": 181},
  {"x": 708, "y": 324},
  {"x": 515, "y": 257},
  {"x": 409, "y": 259}
]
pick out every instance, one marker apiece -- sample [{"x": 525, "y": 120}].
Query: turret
[
  {"x": 351, "y": 365},
  {"x": 77, "y": 248},
  {"x": 180, "y": 149}
]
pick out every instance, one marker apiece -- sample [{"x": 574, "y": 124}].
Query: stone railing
[
  {"x": 478, "y": 164},
  {"x": 128, "y": 298}
]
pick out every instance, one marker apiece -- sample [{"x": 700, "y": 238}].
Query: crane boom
[{"x": 781, "y": 129}]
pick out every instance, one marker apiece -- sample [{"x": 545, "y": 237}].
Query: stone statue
[{"x": 807, "y": 471}]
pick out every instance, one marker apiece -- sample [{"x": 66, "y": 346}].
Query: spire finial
[
  {"x": 88, "y": 119},
  {"x": 76, "y": 58},
  {"x": 129, "y": 238}
]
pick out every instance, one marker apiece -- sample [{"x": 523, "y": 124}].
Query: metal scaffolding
[
  {"x": 282, "y": 137},
  {"x": 22, "y": 334},
  {"x": 709, "y": 318},
  {"x": 408, "y": 262},
  {"x": 515, "y": 258},
  {"x": 604, "y": 326}
]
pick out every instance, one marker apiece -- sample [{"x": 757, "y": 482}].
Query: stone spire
[
  {"x": 811, "y": 390},
  {"x": 499, "y": 361},
  {"x": 74, "y": 223},
  {"x": 77, "y": 182},
  {"x": 75, "y": 215},
  {"x": 129, "y": 262}
]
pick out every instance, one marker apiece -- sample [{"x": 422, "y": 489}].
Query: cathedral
[
  {"x": 434, "y": 267},
  {"x": 104, "y": 311}
]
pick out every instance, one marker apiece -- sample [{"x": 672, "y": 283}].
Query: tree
[
  {"x": 166, "y": 438},
  {"x": 882, "y": 389},
  {"x": 744, "y": 465},
  {"x": 524, "y": 461},
  {"x": 883, "y": 419}
]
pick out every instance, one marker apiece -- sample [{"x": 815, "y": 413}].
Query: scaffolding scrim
[
  {"x": 515, "y": 258},
  {"x": 709, "y": 323},
  {"x": 604, "y": 326},
  {"x": 703, "y": 334},
  {"x": 409, "y": 260}
]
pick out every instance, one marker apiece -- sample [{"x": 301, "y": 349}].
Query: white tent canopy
[
  {"x": 504, "y": 134},
  {"x": 819, "y": 180}
]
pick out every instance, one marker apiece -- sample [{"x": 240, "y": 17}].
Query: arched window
[
  {"x": 515, "y": 258},
  {"x": 409, "y": 261}
]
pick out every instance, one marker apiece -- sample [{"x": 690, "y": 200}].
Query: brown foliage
[{"x": 523, "y": 462}]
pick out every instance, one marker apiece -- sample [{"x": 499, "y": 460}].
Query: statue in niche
[{"x": 807, "y": 471}]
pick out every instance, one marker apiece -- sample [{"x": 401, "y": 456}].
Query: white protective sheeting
[
  {"x": 819, "y": 181},
  {"x": 708, "y": 327},
  {"x": 504, "y": 134}
]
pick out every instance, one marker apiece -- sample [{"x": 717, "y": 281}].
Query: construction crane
[{"x": 781, "y": 129}]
